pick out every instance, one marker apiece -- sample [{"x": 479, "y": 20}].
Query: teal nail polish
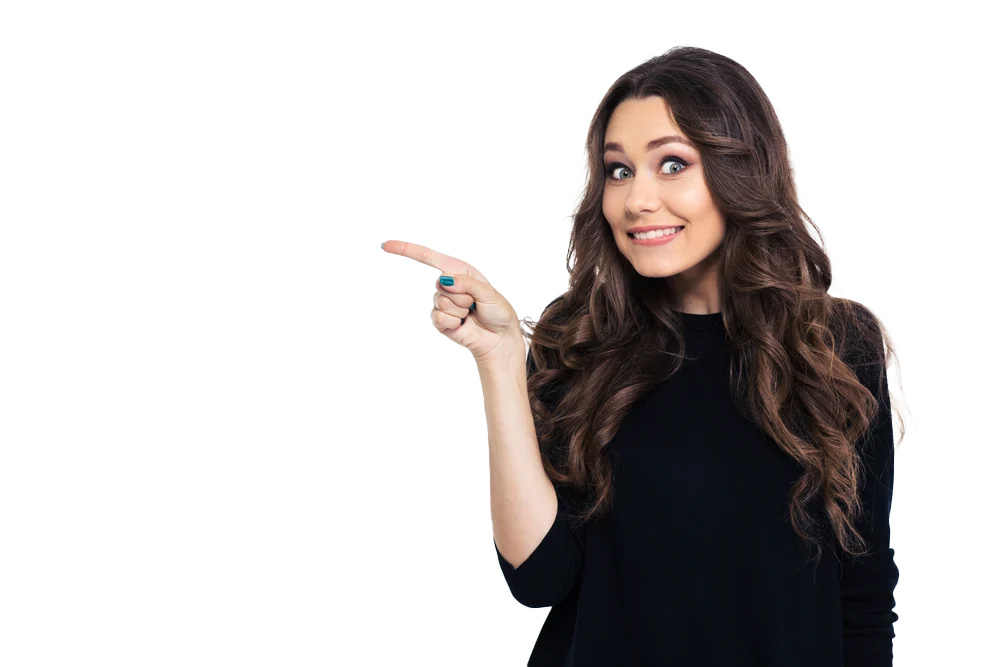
[{"x": 447, "y": 280}]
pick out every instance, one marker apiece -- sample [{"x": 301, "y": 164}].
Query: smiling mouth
[{"x": 657, "y": 233}]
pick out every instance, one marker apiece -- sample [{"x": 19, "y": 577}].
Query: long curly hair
[{"x": 798, "y": 352}]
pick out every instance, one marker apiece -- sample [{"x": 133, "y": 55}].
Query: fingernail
[
  {"x": 446, "y": 280},
  {"x": 473, "y": 306},
  {"x": 383, "y": 245}
]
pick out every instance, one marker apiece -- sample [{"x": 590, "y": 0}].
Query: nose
[{"x": 642, "y": 195}]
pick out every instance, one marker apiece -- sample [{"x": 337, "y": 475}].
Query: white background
[{"x": 229, "y": 432}]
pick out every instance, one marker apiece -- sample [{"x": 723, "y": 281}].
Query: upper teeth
[{"x": 657, "y": 233}]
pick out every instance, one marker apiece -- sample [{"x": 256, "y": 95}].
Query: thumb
[{"x": 463, "y": 283}]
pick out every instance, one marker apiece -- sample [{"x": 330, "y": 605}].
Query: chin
[{"x": 655, "y": 271}]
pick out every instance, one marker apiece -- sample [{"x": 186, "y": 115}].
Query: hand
[{"x": 485, "y": 329}]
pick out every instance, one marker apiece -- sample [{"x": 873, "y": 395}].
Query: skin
[{"x": 647, "y": 190}]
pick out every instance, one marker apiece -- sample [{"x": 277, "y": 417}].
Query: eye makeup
[{"x": 669, "y": 158}]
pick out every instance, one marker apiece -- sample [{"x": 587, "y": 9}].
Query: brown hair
[{"x": 600, "y": 347}]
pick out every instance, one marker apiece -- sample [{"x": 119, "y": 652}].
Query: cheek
[
  {"x": 696, "y": 200},
  {"x": 715, "y": 227},
  {"x": 701, "y": 207},
  {"x": 608, "y": 208}
]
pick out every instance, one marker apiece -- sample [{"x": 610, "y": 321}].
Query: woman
[{"x": 696, "y": 418}]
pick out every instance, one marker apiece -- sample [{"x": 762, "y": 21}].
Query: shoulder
[
  {"x": 554, "y": 301},
  {"x": 547, "y": 313},
  {"x": 860, "y": 343},
  {"x": 858, "y": 332}
]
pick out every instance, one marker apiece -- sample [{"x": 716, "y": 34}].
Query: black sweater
[{"x": 697, "y": 562}]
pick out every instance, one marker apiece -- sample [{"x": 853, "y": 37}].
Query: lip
[{"x": 660, "y": 241}]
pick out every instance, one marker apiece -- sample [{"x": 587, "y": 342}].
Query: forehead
[{"x": 635, "y": 122}]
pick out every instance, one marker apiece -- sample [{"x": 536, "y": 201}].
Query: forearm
[{"x": 523, "y": 501}]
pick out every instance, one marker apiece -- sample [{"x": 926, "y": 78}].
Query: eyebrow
[{"x": 655, "y": 143}]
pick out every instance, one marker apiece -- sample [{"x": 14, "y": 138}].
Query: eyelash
[{"x": 614, "y": 165}]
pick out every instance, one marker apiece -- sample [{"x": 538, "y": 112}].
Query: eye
[{"x": 614, "y": 166}]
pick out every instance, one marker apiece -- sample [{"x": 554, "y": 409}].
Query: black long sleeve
[
  {"x": 867, "y": 582},
  {"x": 697, "y": 561}
]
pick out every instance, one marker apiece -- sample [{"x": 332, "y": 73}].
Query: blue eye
[{"x": 609, "y": 170}]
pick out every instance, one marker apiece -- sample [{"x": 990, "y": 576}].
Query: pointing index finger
[{"x": 425, "y": 255}]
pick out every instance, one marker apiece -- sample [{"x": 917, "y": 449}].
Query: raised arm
[{"x": 539, "y": 553}]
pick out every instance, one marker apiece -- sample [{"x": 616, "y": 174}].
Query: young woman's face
[{"x": 654, "y": 183}]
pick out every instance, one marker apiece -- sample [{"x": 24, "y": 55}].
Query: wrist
[{"x": 509, "y": 353}]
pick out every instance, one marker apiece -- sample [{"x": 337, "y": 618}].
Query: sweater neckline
[{"x": 700, "y": 321}]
